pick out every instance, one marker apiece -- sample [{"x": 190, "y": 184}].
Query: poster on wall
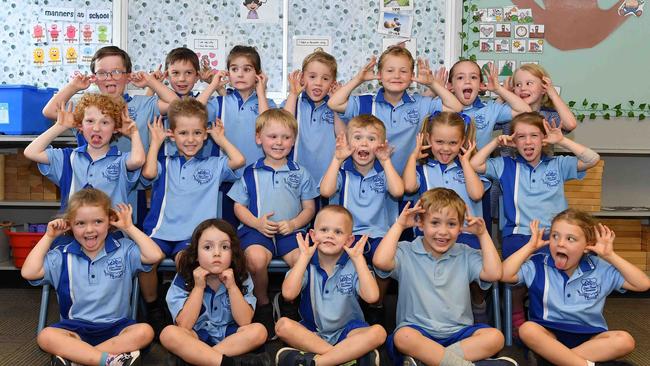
[
  {"x": 395, "y": 5},
  {"x": 305, "y": 45},
  {"x": 395, "y": 24},
  {"x": 211, "y": 51},
  {"x": 259, "y": 11}
]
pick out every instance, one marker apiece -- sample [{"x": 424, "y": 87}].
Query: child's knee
[
  {"x": 44, "y": 338},
  {"x": 378, "y": 335},
  {"x": 258, "y": 333},
  {"x": 256, "y": 262},
  {"x": 168, "y": 336},
  {"x": 494, "y": 337},
  {"x": 143, "y": 332},
  {"x": 283, "y": 326},
  {"x": 528, "y": 330},
  {"x": 404, "y": 337},
  {"x": 623, "y": 341}
]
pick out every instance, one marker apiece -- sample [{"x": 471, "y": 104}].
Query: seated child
[
  {"x": 211, "y": 301},
  {"x": 274, "y": 199},
  {"x": 185, "y": 186},
  {"x": 434, "y": 313},
  {"x": 568, "y": 287},
  {"x": 93, "y": 277},
  {"x": 101, "y": 119},
  {"x": 333, "y": 331}
]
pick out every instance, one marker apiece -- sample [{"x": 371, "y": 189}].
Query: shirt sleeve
[
  {"x": 52, "y": 268},
  {"x": 134, "y": 257},
  {"x": 239, "y": 193},
  {"x": 612, "y": 279},
  {"x": 568, "y": 166},
  {"x": 394, "y": 273},
  {"x": 248, "y": 294},
  {"x": 308, "y": 189},
  {"x": 526, "y": 273},
  {"x": 212, "y": 106},
  {"x": 352, "y": 110},
  {"x": 501, "y": 112},
  {"x": 494, "y": 167},
  {"x": 54, "y": 169},
  {"x": 226, "y": 174},
  {"x": 132, "y": 176},
  {"x": 434, "y": 105},
  {"x": 475, "y": 266},
  {"x": 147, "y": 182},
  {"x": 176, "y": 296}
]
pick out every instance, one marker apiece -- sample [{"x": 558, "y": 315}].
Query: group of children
[{"x": 320, "y": 183}]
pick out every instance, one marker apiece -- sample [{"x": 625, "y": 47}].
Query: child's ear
[
  {"x": 349, "y": 241},
  {"x": 170, "y": 134},
  {"x": 258, "y": 139}
]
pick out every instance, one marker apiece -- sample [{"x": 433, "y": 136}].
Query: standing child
[
  {"x": 568, "y": 287},
  {"x": 211, "y": 301},
  {"x": 93, "y": 276},
  {"x": 400, "y": 111},
  {"x": 434, "y": 315},
  {"x": 185, "y": 186},
  {"x": 274, "y": 199},
  {"x": 100, "y": 119},
  {"x": 333, "y": 331}
]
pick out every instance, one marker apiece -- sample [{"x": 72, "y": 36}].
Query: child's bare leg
[
  {"x": 297, "y": 336},
  {"x": 606, "y": 346},
  {"x": 246, "y": 339},
  {"x": 185, "y": 344},
  {"x": 412, "y": 343},
  {"x": 484, "y": 343},
  {"x": 544, "y": 343},
  {"x": 257, "y": 261},
  {"x": 291, "y": 257},
  {"x": 358, "y": 342},
  {"x": 131, "y": 338},
  {"x": 68, "y": 345},
  {"x": 149, "y": 284}
]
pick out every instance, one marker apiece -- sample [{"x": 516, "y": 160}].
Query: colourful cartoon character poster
[
  {"x": 259, "y": 11},
  {"x": 38, "y": 56},
  {"x": 55, "y": 32},
  {"x": 211, "y": 51},
  {"x": 71, "y": 33},
  {"x": 87, "y": 33},
  {"x": 38, "y": 33},
  {"x": 71, "y": 55},
  {"x": 53, "y": 55}
]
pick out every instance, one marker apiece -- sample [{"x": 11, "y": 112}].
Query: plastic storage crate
[{"x": 20, "y": 109}]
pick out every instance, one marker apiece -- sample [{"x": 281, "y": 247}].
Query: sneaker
[
  {"x": 369, "y": 359},
  {"x": 60, "y": 361},
  {"x": 501, "y": 361},
  {"x": 156, "y": 318},
  {"x": 288, "y": 356},
  {"x": 264, "y": 315},
  {"x": 124, "y": 359},
  {"x": 410, "y": 361},
  {"x": 254, "y": 359},
  {"x": 281, "y": 308}
]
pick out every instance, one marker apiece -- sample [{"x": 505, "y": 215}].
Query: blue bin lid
[{"x": 32, "y": 87}]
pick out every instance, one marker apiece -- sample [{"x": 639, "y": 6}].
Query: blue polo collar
[
  {"x": 127, "y": 97},
  {"x": 406, "y": 98},
  {"x": 342, "y": 261},
  {"x": 348, "y": 165},
  {"x": 433, "y": 162},
  {"x": 112, "y": 151},
  {"x": 544, "y": 159},
  {"x": 476, "y": 105},
  {"x": 291, "y": 165},
  {"x": 240, "y": 100},
  {"x": 307, "y": 99}
]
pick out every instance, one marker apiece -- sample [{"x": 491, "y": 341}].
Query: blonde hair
[
  {"x": 88, "y": 197},
  {"x": 578, "y": 218},
  {"x": 434, "y": 200},
  {"x": 108, "y": 105},
  {"x": 451, "y": 119},
  {"x": 368, "y": 120},
  {"x": 186, "y": 107},
  {"x": 540, "y": 73},
  {"x": 396, "y": 51},
  {"x": 322, "y": 57},
  {"x": 337, "y": 209},
  {"x": 277, "y": 115}
]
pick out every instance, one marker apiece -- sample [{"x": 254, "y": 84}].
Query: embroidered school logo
[
  {"x": 551, "y": 178},
  {"x": 292, "y": 180},
  {"x": 459, "y": 177},
  {"x": 255, "y": 108},
  {"x": 346, "y": 284},
  {"x": 590, "y": 288},
  {"x": 327, "y": 117},
  {"x": 412, "y": 117},
  {"x": 114, "y": 268},
  {"x": 378, "y": 185},
  {"x": 480, "y": 122},
  {"x": 225, "y": 302},
  {"x": 112, "y": 172},
  {"x": 132, "y": 113},
  {"x": 202, "y": 176}
]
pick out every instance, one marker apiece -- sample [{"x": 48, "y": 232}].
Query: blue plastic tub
[{"x": 20, "y": 109}]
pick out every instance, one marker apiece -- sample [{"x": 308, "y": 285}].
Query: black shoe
[
  {"x": 501, "y": 361},
  {"x": 369, "y": 359},
  {"x": 292, "y": 357},
  {"x": 264, "y": 315},
  {"x": 60, "y": 361},
  {"x": 254, "y": 359},
  {"x": 614, "y": 363},
  {"x": 283, "y": 308},
  {"x": 156, "y": 318},
  {"x": 375, "y": 315}
]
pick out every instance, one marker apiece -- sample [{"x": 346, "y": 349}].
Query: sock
[
  {"x": 589, "y": 363},
  {"x": 456, "y": 349},
  {"x": 451, "y": 359},
  {"x": 102, "y": 360},
  {"x": 227, "y": 361}
]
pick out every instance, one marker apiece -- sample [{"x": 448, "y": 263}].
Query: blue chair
[
  {"x": 276, "y": 266},
  {"x": 507, "y": 309}
]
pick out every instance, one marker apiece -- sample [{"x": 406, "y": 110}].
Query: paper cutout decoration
[
  {"x": 103, "y": 33},
  {"x": 71, "y": 35},
  {"x": 506, "y": 67},
  {"x": 491, "y": 15},
  {"x": 521, "y": 31},
  {"x": 498, "y": 14},
  {"x": 503, "y": 30},
  {"x": 486, "y": 30},
  {"x": 485, "y": 67},
  {"x": 38, "y": 33},
  {"x": 53, "y": 55},
  {"x": 486, "y": 45},
  {"x": 87, "y": 33},
  {"x": 509, "y": 12},
  {"x": 71, "y": 56},
  {"x": 519, "y": 46},
  {"x": 631, "y": 7},
  {"x": 536, "y": 45},
  {"x": 536, "y": 31},
  {"x": 38, "y": 56},
  {"x": 502, "y": 45},
  {"x": 54, "y": 32},
  {"x": 524, "y": 16},
  {"x": 86, "y": 52}
]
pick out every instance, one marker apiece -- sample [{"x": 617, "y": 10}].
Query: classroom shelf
[
  {"x": 46, "y": 204},
  {"x": 23, "y": 140},
  {"x": 7, "y": 266},
  {"x": 622, "y": 212}
]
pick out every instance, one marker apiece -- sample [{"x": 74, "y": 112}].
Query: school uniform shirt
[
  {"x": 434, "y": 293},
  {"x": 402, "y": 121},
  {"x": 532, "y": 192},
  {"x": 316, "y": 140},
  {"x": 571, "y": 304},
  {"x": 216, "y": 313},
  {"x": 238, "y": 117},
  {"x": 551, "y": 116},
  {"x": 73, "y": 169},
  {"x": 185, "y": 193},
  {"x": 95, "y": 290},
  {"x": 329, "y": 303},
  {"x": 433, "y": 174},
  {"x": 486, "y": 117},
  {"x": 367, "y": 198},
  {"x": 263, "y": 189}
]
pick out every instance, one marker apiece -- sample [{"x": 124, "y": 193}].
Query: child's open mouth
[
  {"x": 561, "y": 260},
  {"x": 467, "y": 93}
]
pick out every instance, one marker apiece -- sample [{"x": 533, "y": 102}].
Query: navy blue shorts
[
  {"x": 170, "y": 247},
  {"x": 211, "y": 341},
  {"x": 398, "y": 358},
  {"x": 513, "y": 242},
  {"x": 94, "y": 333},
  {"x": 278, "y": 246},
  {"x": 350, "y": 326},
  {"x": 370, "y": 248},
  {"x": 570, "y": 339}
]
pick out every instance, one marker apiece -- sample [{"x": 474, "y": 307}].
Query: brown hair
[
  {"x": 453, "y": 69},
  {"x": 581, "y": 219},
  {"x": 108, "y": 105},
  {"x": 540, "y": 73},
  {"x": 111, "y": 51},
  {"x": 451, "y": 119},
  {"x": 182, "y": 54},
  {"x": 245, "y": 51},
  {"x": 322, "y": 57},
  {"x": 434, "y": 200},
  {"x": 368, "y": 120},
  {"x": 396, "y": 51},
  {"x": 186, "y": 107},
  {"x": 87, "y": 197},
  {"x": 532, "y": 119},
  {"x": 337, "y": 209},
  {"x": 278, "y": 115},
  {"x": 189, "y": 260}
]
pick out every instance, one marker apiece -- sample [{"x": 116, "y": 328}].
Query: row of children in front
[{"x": 263, "y": 223}]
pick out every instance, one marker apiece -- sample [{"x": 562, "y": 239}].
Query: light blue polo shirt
[
  {"x": 433, "y": 174},
  {"x": 73, "y": 169},
  {"x": 367, "y": 198},
  {"x": 96, "y": 290},
  {"x": 329, "y": 303},
  {"x": 434, "y": 293},
  {"x": 486, "y": 117},
  {"x": 572, "y": 304},
  {"x": 263, "y": 189},
  {"x": 238, "y": 117},
  {"x": 532, "y": 192},
  {"x": 185, "y": 193},
  {"x": 216, "y": 313},
  {"x": 316, "y": 139},
  {"x": 402, "y": 121},
  {"x": 551, "y": 116}
]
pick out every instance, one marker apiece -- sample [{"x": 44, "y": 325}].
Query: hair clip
[{"x": 466, "y": 118}]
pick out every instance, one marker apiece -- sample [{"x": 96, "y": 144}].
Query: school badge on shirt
[{"x": 114, "y": 268}]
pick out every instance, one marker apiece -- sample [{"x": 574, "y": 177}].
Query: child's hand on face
[
  {"x": 604, "y": 246},
  {"x": 123, "y": 214},
  {"x": 56, "y": 227},
  {"x": 343, "y": 150},
  {"x": 138, "y": 79},
  {"x": 384, "y": 151},
  {"x": 474, "y": 225},
  {"x": 227, "y": 277},
  {"x": 304, "y": 247},
  {"x": 262, "y": 79},
  {"x": 64, "y": 116},
  {"x": 492, "y": 77},
  {"x": 465, "y": 152},
  {"x": 128, "y": 125},
  {"x": 356, "y": 252},
  {"x": 157, "y": 132},
  {"x": 408, "y": 217},
  {"x": 217, "y": 78},
  {"x": 217, "y": 131},
  {"x": 295, "y": 83},
  {"x": 267, "y": 227},
  {"x": 420, "y": 150},
  {"x": 367, "y": 72},
  {"x": 335, "y": 86},
  {"x": 506, "y": 140},
  {"x": 553, "y": 134},
  {"x": 200, "y": 275},
  {"x": 82, "y": 81},
  {"x": 547, "y": 84},
  {"x": 537, "y": 235},
  {"x": 285, "y": 227}
]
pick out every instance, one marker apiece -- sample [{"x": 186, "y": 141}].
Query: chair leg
[
  {"x": 135, "y": 294},
  {"x": 496, "y": 305},
  {"x": 42, "y": 315},
  {"x": 507, "y": 299}
]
